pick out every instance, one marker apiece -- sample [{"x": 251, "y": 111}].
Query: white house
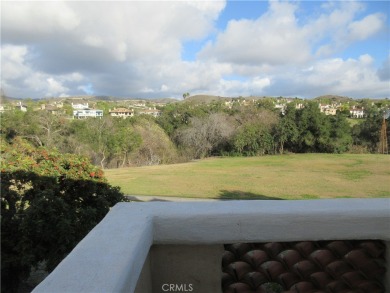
[
  {"x": 150, "y": 111},
  {"x": 121, "y": 112},
  {"x": 21, "y": 107},
  {"x": 328, "y": 109},
  {"x": 87, "y": 113},
  {"x": 80, "y": 106},
  {"x": 356, "y": 112},
  {"x": 281, "y": 107}
]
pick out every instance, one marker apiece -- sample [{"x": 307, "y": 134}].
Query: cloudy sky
[{"x": 166, "y": 48}]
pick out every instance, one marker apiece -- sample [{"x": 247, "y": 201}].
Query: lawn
[{"x": 296, "y": 176}]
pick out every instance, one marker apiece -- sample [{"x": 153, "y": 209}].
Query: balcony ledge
[{"x": 110, "y": 258}]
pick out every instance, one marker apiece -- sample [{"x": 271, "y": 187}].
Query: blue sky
[{"x": 151, "y": 49}]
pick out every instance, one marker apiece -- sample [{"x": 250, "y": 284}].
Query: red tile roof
[{"x": 304, "y": 267}]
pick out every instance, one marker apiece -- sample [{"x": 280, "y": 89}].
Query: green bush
[{"x": 49, "y": 202}]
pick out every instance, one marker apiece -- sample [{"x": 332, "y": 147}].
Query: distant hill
[
  {"x": 334, "y": 98},
  {"x": 204, "y": 98},
  {"x": 164, "y": 100}
]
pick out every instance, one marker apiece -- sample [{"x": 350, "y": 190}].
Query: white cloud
[
  {"x": 12, "y": 61},
  {"x": 274, "y": 38},
  {"x": 15, "y": 70},
  {"x": 93, "y": 41},
  {"x": 340, "y": 28},
  {"x": 254, "y": 86},
  {"x": 384, "y": 71},
  {"x": 352, "y": 77},
  {"x": 31, "y": 21},
  {"x": 368, "y": 26},
  {"x": 55, "y": 87},
  {"x": 134, "y": 48}
]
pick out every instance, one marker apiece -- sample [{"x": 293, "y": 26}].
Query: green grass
[
  {"x": 353, "y": 121},
  {"x": 297, "y": 176}
]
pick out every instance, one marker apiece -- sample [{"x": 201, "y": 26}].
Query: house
[
  {"x": 21, "y": 107},
  {"x": 150, "y": 111},
  {"x": 4, "y": 108},
  {"x": 58, "y": 104},
  {"x": 121, "y": 112},
  {"x": 52, "y": 109},
  {"x": 229, "y": 104},
  {"x": 80, "y": 106},
  {"x": 356, "y": 112},
  {"x": 139, "y": 104},
  {"x": 87, "y": 113},
  {"x": 281, "y": 107},
  {"x": 328, "y": 109}
]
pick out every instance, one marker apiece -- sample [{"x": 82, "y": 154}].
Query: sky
[{"x": 162, "y": 49}]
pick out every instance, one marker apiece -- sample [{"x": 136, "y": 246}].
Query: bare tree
[
  {"x": 51, "y": 127},
  {"x": 205, "y": 135}
]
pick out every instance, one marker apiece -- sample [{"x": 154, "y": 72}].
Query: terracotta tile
[{"x": 256, "y": 258}]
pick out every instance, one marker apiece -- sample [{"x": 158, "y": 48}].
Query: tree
[
  {"x": 286, "y": 129},
  {"x": 123, "y": 140},
  {"x": 206, "y": 136},
  {"x": 155, "y": 147},
  {"x": 366, "y": 134},
  {"x": 24, "y": 124},
  {"x": 49, "y": 202},
  {"x": 341, "y": 134},
  {"x": 51, "y": 127},
  {"x": 98, "y": 135},
  {"x": 186, "y": 95},
  {"x": 253, "y": 139},
  {"x": 314, "y": 129}
]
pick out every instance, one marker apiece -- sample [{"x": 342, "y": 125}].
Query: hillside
[
  {"x": 204, "y": 98},
  {"x": 333, "y": 98}
]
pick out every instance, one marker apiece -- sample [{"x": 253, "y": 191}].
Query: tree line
[{"x": 187, "y": 131}]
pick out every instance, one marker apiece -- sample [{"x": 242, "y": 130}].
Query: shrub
[{"x": 49, "y": 202}]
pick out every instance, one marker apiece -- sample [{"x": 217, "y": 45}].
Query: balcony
[{"x": 178, "y": 247}]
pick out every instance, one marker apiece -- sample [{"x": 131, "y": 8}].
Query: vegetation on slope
[{"x": 192, "y": 130}]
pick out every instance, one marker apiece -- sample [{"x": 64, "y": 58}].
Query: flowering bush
[{"x": 49, "y": 202}]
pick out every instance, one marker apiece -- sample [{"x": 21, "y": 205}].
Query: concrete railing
[{"x": 147, "y": 247}]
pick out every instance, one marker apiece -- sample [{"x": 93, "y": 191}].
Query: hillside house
[
  {"x": 229, "y": 104},
  {"x": 281, "y": 107},
  {"x": 87, "y": 113},
  {"x": 4, "y": 108},
  {"x": 328, "y": 109},
  {"x": 150, "y": 111},
  {"x": 121, "y": 112},
  {"x": 80, "y": 106},
  {"x": 356, "y": 112},
  {"x": 139, "y": 104},
  {"x": 52, "y": 109},
  {"x": 21, "y": 107}
]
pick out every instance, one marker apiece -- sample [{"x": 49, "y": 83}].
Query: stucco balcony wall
[{"x": 138, "y": 247}]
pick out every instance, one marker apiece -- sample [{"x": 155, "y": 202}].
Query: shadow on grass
[
  {"x": 145, "y": 198},
  {"x": 243, "y": 195}
]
